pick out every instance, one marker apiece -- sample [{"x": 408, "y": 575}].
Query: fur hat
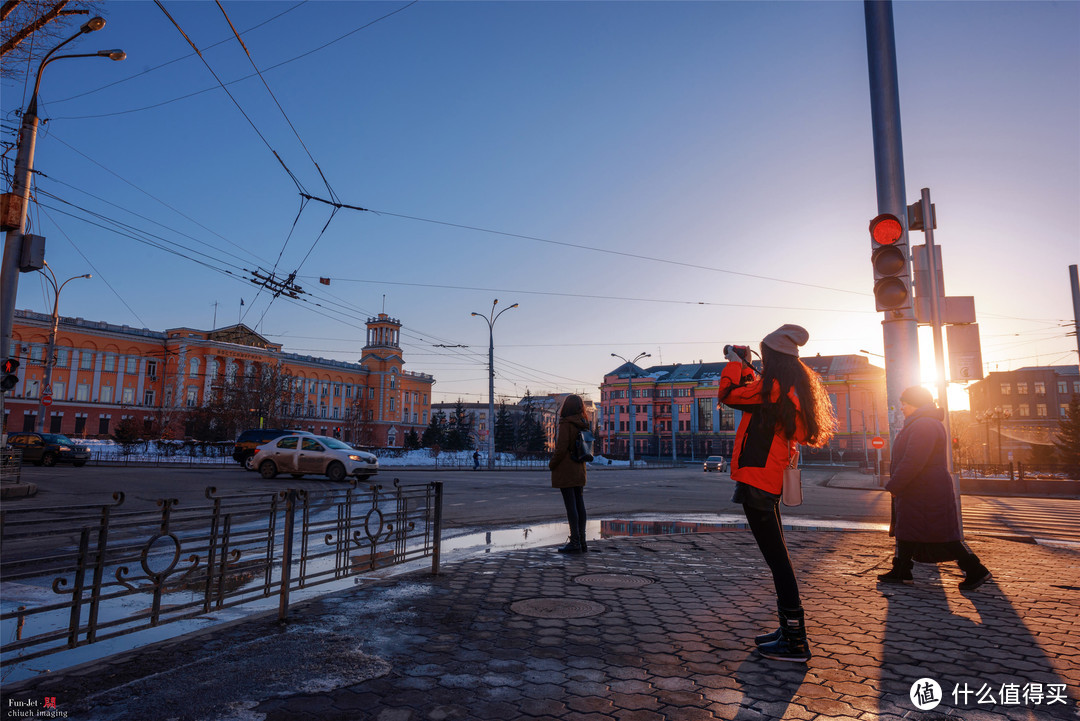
[
  {"x": 917, "y": 396},
  {"x": 787, "y": 339}
]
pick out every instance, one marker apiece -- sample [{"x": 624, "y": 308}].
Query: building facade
[
  {"x": 545, "y": 409},
  {"x": 103, "y": 374},
  {"x": 1011, "y": 411},
  {"x": 677, "y": 406}
]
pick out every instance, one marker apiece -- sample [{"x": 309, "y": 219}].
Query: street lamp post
[
  {"x": 20, "y": 189},
  {"x": 490, "y": 320},
  {"x": 997, "y": 414},
  {"x": 49, "y": 354},
  {"x": 630, "y": 392}
]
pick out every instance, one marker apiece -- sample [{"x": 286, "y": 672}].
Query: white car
[
  {"x": 715, "y": 463},
  {"x": 298, "y": 455}
]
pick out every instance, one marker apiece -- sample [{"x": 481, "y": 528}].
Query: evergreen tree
[
  {"x": 434, "y": 434},
  {"x": 412, "y": 440},
  {"x": 1068, "y": 437},
  {"x": 504, "y": 430}
]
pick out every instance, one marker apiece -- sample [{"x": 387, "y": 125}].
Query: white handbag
[{"x": 792, "y": 492}]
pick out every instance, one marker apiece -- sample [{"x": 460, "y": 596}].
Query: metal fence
[{"x": 84, "y": 574}]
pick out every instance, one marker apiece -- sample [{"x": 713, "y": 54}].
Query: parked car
[
  {"x": 48, "y": 449},
  {"x": 715, "y": 463},
  {"x": 298, "y": 455},
  {"x": 249, "y": 441}
]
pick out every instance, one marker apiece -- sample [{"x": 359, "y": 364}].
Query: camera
[{"x": 737, "y": 353}]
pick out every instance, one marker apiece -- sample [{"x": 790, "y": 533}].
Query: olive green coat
[{"x": 565, "y": 472}]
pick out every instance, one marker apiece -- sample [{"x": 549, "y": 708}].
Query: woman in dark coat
[
  {"x": 926, "y": 517},
  {"x": 568, "y": 475}
]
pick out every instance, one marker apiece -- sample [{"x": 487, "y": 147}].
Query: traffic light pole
[
  {"x": 935, "y": 318},
  {"x": 899, "y": 329}
]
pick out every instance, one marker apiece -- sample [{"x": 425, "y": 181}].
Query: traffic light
[
  {"x": 892, "y": 274},
  {"x": 10, "y": 379}
]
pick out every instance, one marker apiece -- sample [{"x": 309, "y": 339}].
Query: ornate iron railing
[{"x": 78, "y": 575}]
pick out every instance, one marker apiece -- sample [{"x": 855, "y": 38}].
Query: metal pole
[
  {"x": 674, "y": 417},
  {"x": 1074, "y": 283},
  {"x": 935, "y": 320},
  {"x": 899, "y": 329},
  {"x": 491, "y": 397},
  {"x": 633, "y": 413}
]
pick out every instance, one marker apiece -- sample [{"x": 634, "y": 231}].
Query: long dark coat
[
  {"x": 923, "y": 497},
  {"x": 565, "y": 472}
]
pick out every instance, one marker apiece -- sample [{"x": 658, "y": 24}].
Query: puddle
[{"x": 465, "y": 544}]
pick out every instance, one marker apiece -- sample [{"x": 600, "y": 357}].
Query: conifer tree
[
  {"x": 435, "y": 432},
  {"x": 1068, "y": 438},
  {"x": 504, "y": 430}
]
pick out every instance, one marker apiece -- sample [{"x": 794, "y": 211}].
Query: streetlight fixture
[
  {"x": 630, "y": 392},
  {"x": 19, "y": 198},
  {"x": 997, "y": 414},
  {"x": 49, "y": 359},
  {"x": 490, "y": 320}
]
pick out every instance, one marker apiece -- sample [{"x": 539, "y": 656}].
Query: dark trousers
[
  {"x": 574, "y": 500},
  {"x": 769, "y": 534},
  {"x": 908, "y": 551}
]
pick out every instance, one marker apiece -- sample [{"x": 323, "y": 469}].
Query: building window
[
  {"x": 61, "y": 358},
  {"x": 103, "y": 426},
  {"x": 80, "y": 423},
  {"x": 151, "y": 370},
  {"x": 148, "y": 397},
  {"x": 82, "y": 392},
  {"x": 1063, "y": 387},
  {"x": 337, "y": 390},
  {"x": 128, "y": 396},
  {"x": 348, "y": 391},
  {"x": 425, "y": 418},
  {"x": 192, "y": 396},
  {"x": 1076, "y": 386},
  {"x": 132, "y": 365},
  {"x": 1040, "y": 410},
  {"x": 1021, "y": 388},
  {"x": 58, "y": 390},
  {"x": 1040, "y": 388},
  {"x": 35, "y": 353},
  {"x": 1006, "y": 389},
  {"x": 1063, "y": 410},
  {"x": 86, "y": 360},
  {"x": 391, "y": 404},
  {"x": 106, "y": 394},
  {"x": 193, "y": 368},
  {"x": 110, "y": 362},
  {"x": 371, "y": 394},
  {"x": 1025, "y": 410}
]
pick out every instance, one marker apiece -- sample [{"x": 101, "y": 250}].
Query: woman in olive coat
[
  {"x": 926, "y": 520},
  {"x": 567, "y": 474}
]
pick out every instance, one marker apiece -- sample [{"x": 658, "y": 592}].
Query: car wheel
[
  {"x": 268, "y": 470},
  {"x": 249, "y": 462},
  {"x": 48, "y": 459},
  {"x": 297, "y": 475},
  {"x": 335, "y": 472},
  {"x": 79, "y": 464}
]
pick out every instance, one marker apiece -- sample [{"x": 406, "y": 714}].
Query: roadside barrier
[{"x": 115, "y": 572}]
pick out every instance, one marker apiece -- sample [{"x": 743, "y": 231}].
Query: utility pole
[
  {"x": 899, "y": 328},
  {"x": 1074, "y": 282}
]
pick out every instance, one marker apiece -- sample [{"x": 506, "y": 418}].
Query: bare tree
[{"x": 30, "y": 28}]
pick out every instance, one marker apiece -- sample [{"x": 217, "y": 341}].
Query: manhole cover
[
  {"x": 557, "y": 608},
  {"x": 613, "y": 580}
]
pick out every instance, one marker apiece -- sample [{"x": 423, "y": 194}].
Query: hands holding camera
[{"x": 737, "y": 354}]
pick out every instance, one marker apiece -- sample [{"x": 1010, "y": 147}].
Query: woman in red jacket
[{"x": 782, "y": 408}]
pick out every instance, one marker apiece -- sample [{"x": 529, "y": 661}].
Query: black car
[
  {"x": 48, "y": 449},
  {"x": 249, "y": 441}
]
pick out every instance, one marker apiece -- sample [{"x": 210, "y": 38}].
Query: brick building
[
  {"x": 104, "y": 373},
  {"x": 677, "y": 404}
]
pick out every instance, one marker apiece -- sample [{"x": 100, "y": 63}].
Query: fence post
[
  {"x": 437, "y": 530},
  {"x": 1020, "y": 468},
  {"x": 286, "y": 554},
  {"x": 1011, "y": 476}
]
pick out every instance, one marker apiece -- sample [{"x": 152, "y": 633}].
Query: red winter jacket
[{"x": 761, "y": 454}]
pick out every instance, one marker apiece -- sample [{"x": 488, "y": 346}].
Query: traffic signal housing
[
  {"x": 892, "y": 271},
  {"x": 9, "y": 379}
]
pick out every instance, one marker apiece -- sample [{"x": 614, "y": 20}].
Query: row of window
[
  {"x": 1024, "y": 410},
  {"x": 648, "y": 393},
  {"x": 1039, "y": 388}
]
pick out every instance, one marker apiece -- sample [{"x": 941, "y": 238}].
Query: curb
[{"x": 17, "y": 489}]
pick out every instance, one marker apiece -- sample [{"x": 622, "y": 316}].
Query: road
[{"x": 501, "y": 499}]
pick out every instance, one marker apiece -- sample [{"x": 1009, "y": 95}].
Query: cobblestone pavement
[{"x": 658, "y": 628}]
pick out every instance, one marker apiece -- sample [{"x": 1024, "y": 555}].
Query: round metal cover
[
  {"x": 557, "y": 608},
  {"x": 613, "y": 580}
]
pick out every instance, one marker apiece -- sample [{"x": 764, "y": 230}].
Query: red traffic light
[
  {"x": 886, "y": 229},
  {"x": 11, "y": 365}
]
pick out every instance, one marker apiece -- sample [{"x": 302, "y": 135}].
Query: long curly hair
[{"x": 789, "y": 372}]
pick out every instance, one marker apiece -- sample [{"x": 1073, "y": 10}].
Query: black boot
[
  {"x": 581, "y": 539},
  {"x": 900, "y": 573},
  {"x": 768, "y": 637},
  {"x": 792, "y": 644},
  {"x": 573, "y": 546},
  {"x": 975, "y": 574}
]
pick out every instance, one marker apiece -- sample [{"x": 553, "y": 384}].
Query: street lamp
[
  {"x": 19, "y": 198},
  {"x": 997, "y": 414},
  {"x": 630, "y": 392},
  {"x": 490, "y": 320},
  {"x": 49, "y": 359}
]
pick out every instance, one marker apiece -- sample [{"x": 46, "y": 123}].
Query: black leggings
[
  {"x": 574, "y": 500},
  {"x": 769, "y": 534}
]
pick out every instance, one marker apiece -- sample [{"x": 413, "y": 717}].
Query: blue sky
[{"x": 661, "y": 177}]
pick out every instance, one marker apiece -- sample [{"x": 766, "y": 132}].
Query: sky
[{"x": 639, "y": 177}]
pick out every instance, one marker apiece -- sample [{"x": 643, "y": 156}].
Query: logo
[{"x": 925, "y": 694}]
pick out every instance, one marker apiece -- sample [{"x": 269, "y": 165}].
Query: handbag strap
[{"x": 793, "y": 457}]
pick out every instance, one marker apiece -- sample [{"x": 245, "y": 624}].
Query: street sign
[
  {"x": 877, "y": 442},
  {"x": 46, "y": 400}
]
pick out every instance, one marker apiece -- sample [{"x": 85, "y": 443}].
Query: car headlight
[
  {"x": 356, "y": 458},
  {"x": 65, "y": 448}
]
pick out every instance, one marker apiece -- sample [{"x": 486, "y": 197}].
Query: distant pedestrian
[
  {"x": 926, "y": 521},
  {"x": 476, "y": 460},
  {"x": 568, "y": 475},
  {"x": 782, "y": 408}
]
